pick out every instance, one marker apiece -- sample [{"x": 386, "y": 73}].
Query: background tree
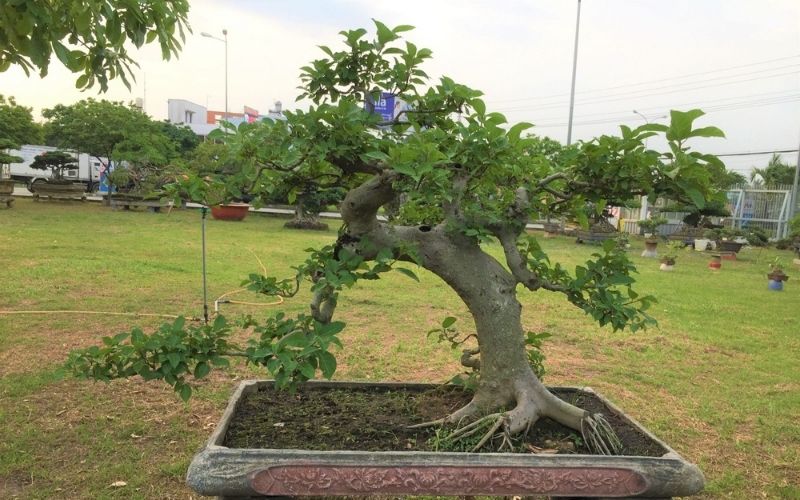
[
  {"x": 16, "y": 123},
  {"x": 184, "y": 138},
  {"x": 91, "y": 37},
  {"x": 99, "y": 127},
  {"x": 464, "y": 178},
  {"x": 776, "y": 173},
  {"x": 731, "y": 178}
]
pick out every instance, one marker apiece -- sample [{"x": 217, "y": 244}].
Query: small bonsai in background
[
  {"x": 756, "y": 236},
  {"x": 57, "y": 162},
  {"x": 670, "y": 255},
  {"x": 6, "y": 158},
  {"x": 651, "y": 225},
  {"x": 724, "y": 234},
  {"x": 776, "y": 272}
]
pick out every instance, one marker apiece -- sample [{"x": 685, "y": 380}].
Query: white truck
[{"x": 88, "y": 171}]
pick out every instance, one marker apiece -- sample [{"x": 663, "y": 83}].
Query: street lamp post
[
  {"x": 644, "y": 117},
  {"x": 574, "y": 73},
  {"x": 225, "y": 41},
  {"x": 644, "y": 208}
]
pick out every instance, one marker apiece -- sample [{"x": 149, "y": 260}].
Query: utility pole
[
  {"x": 793, "y": 198},
  {"x": 574, "y": 72}
]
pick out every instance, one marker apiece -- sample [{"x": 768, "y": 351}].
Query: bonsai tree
[
  {"x": 57, "y": 162},
  {"x": 5, "y": 157},
  {"x": 462, "y": 177},
  {"x": 724, "y": 234},
  {"x": 309, "y": 201},
  {"x": 650, "y": 225},
  {"x": 670, "y": 255},
  {"x": 776, "y": 275}
]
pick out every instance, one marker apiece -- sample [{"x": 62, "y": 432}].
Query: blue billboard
[{"x": 385, "y": 107}]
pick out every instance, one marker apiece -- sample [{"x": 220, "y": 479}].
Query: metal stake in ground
[{"x": 203, "y": 212}]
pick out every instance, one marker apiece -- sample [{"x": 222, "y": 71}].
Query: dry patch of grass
[{"x": 717, "y": 382}]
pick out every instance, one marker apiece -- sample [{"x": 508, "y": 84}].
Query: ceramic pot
[{"x": 230, "y": 211}]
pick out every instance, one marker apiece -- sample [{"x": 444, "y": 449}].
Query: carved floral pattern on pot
[{"x": 308, "y": 479}]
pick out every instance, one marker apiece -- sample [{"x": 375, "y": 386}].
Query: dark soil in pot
[{"x": 376, "y": 419}]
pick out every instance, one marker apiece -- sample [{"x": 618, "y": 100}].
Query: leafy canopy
[
  {"x": 55, "y": 161},
  {"x": 90, "y": 37},
  {"x": 448, "y": 163},
  {"x": 16, "y": 123}
]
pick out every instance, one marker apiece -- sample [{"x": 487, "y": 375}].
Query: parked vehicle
[{"x": 87, "y": 172}]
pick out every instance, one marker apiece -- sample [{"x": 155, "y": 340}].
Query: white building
[{"x": 202, "y": 120}]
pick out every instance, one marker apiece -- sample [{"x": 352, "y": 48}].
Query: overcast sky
[{"x": 737, "y": 59}]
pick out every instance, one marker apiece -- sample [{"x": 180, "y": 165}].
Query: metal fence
[
  {"x": 750, "y": 206},
  {"x": 764, "y": 207}
]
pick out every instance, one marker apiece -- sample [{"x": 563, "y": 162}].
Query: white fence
[
  {"x": 768, "y": 208},
  {"x": 750, "y": 206}
]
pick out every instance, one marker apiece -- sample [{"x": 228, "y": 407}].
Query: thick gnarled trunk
[{"x": 488, "y": 290}]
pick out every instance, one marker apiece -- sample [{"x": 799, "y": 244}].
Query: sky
[{"x": 737, "y": 59}]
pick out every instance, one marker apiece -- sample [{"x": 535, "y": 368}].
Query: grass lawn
[{"x": 719, "y": 380}]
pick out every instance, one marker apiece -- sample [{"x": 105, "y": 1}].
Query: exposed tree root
[
  {"x": 463, "y": 413},
  {"x": 597, "y": 433},
  {"x": 599, "y": 436}
]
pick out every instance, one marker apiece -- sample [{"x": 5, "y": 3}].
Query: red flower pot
[{"x": 231, "y": 211}]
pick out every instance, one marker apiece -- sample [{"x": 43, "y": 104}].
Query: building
[{"x": 202, "y": 120}]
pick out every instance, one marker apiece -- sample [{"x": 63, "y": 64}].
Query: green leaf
[
  {"x": 201, "y": 370},
  {"x": 707, "y": 132},
  {"x": 179, "y": 323},
  {"x": 408, "y": 272},
  {"x": 327, "y": 364},
  {"x": 697, "y": 197},
  {"x": 448, "y": 322},
  {"x": 680, "y": 126},
  {"x": 403, "y": 27},
  {"x": 385, "y": 35},
  {"x": 186, "y": 392},
  {"x": 479, "y": 106},
  {"x": 220, "y": 322},
  {"x": 174, "y": 359},
  {"x": 307, "y": 370},
  {"x": 219, "y": 361},
  {"x": 377, "y": 155},
  {"x": 82, "y": 81},
  {"x": 515, "y": 131},
  {"x": 651, "y": 127}
]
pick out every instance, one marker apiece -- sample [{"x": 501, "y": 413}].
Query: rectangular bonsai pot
[{"x": 239, "y": 472}]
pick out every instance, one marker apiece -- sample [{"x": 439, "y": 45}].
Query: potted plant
[
  {"x": 459, "y": 186},
  {"x": 649, "y": 227},
  {"x": 599, "y": 230},
  {"x": 57, "y": 186},
  {"x": 139, "y": 184},
  {"x": 776, "y": 275},
  {"x": 728, "y": 240},
  {"x": 214, "y": 177},
  {"x": 670, "y": 255},
  {"x": 6, "y": 182}
]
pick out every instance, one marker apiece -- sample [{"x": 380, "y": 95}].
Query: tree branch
[{"x": 519, "y": 268}]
